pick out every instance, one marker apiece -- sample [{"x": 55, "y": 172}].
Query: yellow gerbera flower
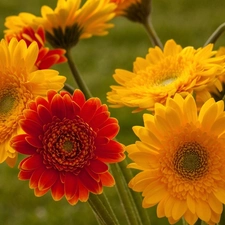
[
  {"x": 134, "y": 10},
  {"x": 20, "y": 82},
  {"x": 218, "y": 90},
  {"x": 181, "y": 158},
  {"x": 166, "y": 72},
  {"x": 70, "y": 21}
]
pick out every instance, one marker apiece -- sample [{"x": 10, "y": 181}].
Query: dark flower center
[
  {"x": 191, "y": 160},
  {"x": 68, "y": 145},
  {"x": 8, "y": 101}
]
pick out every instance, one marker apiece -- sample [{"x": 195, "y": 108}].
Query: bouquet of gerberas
[{"x": 69, "y": 137}]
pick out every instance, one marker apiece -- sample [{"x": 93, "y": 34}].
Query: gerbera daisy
[
  {"x": 20, "y": 82},
  {"x": 69, "y": 141},
  {"x": 218, "y": 90},
  {"x": 23, "y": 27},
  {"x": 181, "y": 158},
  {"x": 70, "y": 21},
  {"x": 166, "y": 72},
  {"x": 134, "y": 10}
]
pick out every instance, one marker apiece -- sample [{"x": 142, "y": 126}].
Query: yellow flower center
[
  {"x": 191, "y": 160},
  {"x": 7, "y": 101},
  {"x": 68, "y": 146}
]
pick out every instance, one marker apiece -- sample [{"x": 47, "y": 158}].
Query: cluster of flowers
[{"x": 69, "y": 137}]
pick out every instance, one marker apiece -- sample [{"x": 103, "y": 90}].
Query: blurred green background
[{"x": 188, "y": 22}]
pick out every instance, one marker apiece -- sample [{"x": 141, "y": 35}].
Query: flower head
[
  {"x": 68, "y": 141},
  {"x": 23, "y": 27},
  {"x": 218, "y": 89},
  {"x": 134, "y": 10},
  {"x": 163, "y": 73},
  {"x": 20, "y": 82},
  {"x": 181, "y": 158},
  {"x": 69, "y": 21}
]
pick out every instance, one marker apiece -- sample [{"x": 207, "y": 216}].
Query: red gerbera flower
[
  {"x": 69, "y": 141},
  {"x": 46, "y": 57}
]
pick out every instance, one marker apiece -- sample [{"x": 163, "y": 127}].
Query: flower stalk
[
  {"x": 216, "y": 34},
  {"x": 79, "y": 80},
  {"x": 105, "y": 217},
  {"x": 152, "y": 33}
]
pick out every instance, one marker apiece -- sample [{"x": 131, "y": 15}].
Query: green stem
[
  {"x": 222, "y": 219},
  {"x": 184, "y": 222},
  {"x": 152, "y": 33},
  {"x": 106, "y": 203},
  {"x": 127, "y": 173},
  {"x": 100, "y": 210},
  {"x": 68, "y": 88},
  {"x": 216, "y": 34},
  {"x": 125, "y": 197},
  {"x": 79, "y": 80}
]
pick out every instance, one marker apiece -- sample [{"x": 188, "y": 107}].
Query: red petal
[
  {"x": 71, "y": 108},
  {"x": 34, "y": 141},
  {"x": 89, "y": 109},
  {"x": 74, "y": 199},
  {"x": 34, "y": 180},
  {"x": 32, "y": 115},
  {"x": 31, "y": 127},
  {"x": 98, "y": 120},
  {"x": 58, "y": 107},
  {"x": 110, "y": 131},
  {"x": 107, "y": 179},
  {"x": 111, "y": 120},
  {"x": 25, "y": 175},
  {"x": 48, "y": 61},
  {"x": 42, "y": 101},
  {"x": 111, "y": 152},
  {"x": 83, "y": 193},
  {"x": 71, "y": 185},
  {"x": 94, "y": 175},
  {"x": 31, "y": 163},
  {"x": 79, "y": 97},
  {"x": 47, "y": 179},
  {"x": 57, "y": 190},
  {"x": 98, "y": 167},
  {"x": 50, "y": 96},
  {"x": 89, "y": 182},
  {"x": 44, "y": 114},
  {"x": 20, "y": 144},
  {"x": 39, "y": 193},
  {"x": 40, "y": 31}
]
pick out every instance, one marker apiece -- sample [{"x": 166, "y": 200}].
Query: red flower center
[{"x": 68, "y": 145}]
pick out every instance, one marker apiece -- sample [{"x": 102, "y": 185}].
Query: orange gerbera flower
[
  {"x": 181, "y": 158},
  {"x": 69, "y": 21},
  {"x": 22, "y": 27},
  {"x": 69, "y": 141},
  {"x": 163, "y": 73}
]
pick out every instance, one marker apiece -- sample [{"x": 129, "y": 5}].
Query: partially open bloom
[
  {"x": 181, "y": 158},
  {"x": 23, "y": 27},
  {"x": 134, "y": 10},
  {"x": 20, "y": 82},
  {"x": 163, "y": 73},
  {"x": 68, "y": 141},
  {"x": 70, "y": 21},
  {"x": 218, "y": 90}
]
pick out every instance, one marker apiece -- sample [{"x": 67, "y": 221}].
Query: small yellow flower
[
  {"x": 181, "y": 158},
  {"x": 69, "y": 21},
  {"x": 163, "y": 73},
  {"x": 20, "y": 82}
]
